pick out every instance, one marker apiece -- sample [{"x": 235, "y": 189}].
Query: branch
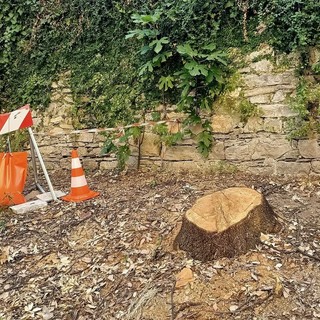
[
  {"x": 173, "y": 313},
  {"x": 246, "y": 305}
]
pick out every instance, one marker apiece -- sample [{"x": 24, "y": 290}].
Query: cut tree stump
[{"x": 225, "y": 224}]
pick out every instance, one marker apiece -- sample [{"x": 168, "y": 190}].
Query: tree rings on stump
[{"x": 225, "y": 224}]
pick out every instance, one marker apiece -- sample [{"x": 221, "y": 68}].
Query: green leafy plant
[
  {"x": 247, "y": 110},
  {"x": 2, "y": 227},
  {"x": 174, "y": 53},
  {"x": 39, "y": 39},
  {"x": 238, "y": 105},
  {"x": 292, "y": 24},
  {"x": 188, "y": 76},
  {"x": 223, "y": 167},
  {"x": 120, "y": 144},
  {"x": 166, "y": 137},
  {"x": 205, "y": 142},
  {"x": 306, "y": 104},
  {"x": 316, "y": 68}
]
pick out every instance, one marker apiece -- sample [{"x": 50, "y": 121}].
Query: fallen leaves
[
  {"x": 278, "y": 287},
  {"x": 46, "y": 313},
  {"x": 4, "y": 254},
  {"x": 108, "y": 258},
  {"x": 233, "y": 308}
]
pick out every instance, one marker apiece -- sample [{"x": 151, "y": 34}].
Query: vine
[
  {"x": 185, "y": 73},
  {"x": 244, "y": 7},
  {"x": 174, "y": 54}
]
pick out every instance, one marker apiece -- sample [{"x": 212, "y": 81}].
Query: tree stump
[{"x": 225, "y": 224}]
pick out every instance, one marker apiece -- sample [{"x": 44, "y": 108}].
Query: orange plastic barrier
[{"x": 13, "y": 174}]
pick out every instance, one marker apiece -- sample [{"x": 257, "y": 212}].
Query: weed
[
  {"x": 223, "y": 167},
  {"x": 2, "y": 228},
  {"x": 153, "y": 184}
]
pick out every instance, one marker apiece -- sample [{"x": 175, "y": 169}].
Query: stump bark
[{"x": 225, "y": 224}]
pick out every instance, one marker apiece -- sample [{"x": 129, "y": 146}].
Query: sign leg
[{"x": 36, "y": 149}]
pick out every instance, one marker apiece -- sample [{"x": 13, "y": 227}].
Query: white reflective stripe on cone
[
  {"x": 75, "y": 163},
  {"x": 77, "y": 182}
]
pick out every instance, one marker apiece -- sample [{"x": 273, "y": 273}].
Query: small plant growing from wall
[
  {"x": 232, "y": 100},
  {"x": 306, "y": 103}
]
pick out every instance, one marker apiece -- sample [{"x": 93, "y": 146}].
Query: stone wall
[
  {"x": 258, "y": 145},
  {"x": 52, "y": 131}
]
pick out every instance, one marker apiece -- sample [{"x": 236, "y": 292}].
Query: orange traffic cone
[{"x": 79, "y": 187}]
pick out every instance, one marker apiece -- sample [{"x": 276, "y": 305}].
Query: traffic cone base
[
  {"x": 79, "y": 187},
  {"x": 77, "y": 198}
]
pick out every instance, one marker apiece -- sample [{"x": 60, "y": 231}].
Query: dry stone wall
[
  {"x": 259, "y": 145},
  {"x": 53, "y": 133}
]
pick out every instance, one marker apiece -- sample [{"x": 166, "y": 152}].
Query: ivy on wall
[
  {"x": 175, "y": 51},
  {"x": 38, "y": 39}
]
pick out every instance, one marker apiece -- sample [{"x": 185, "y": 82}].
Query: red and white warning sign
[{"x": 16, "y": 120}]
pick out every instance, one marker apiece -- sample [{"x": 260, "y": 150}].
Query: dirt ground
[{"x": 111, "y": 257}]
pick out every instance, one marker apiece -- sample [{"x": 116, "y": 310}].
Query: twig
[
  {"x": 12, "y": 288},
  {"x": 246, "y": 305},
  {"x": 298, "y": 235},
  {"x": 97, "y": 238},
  {"x": 111, "y": 290},
  {"x": 44, "y": 255},
  {"x": 173, "y": 313},
  {"x": 22, "y": 233},
  {"x": 75, "y": 314},
  {"x": 81, "y": 220},
  {"x": 281, "y": 217},
  {"x": 89, "y": 265},
  {"x": 136, "y": 307},
  {"x": 186, "y": 305},
  {"x": 255, "y": 302},
  {"x": 274, "y": 188},
  {"x": 274, "y": 248},
  {"x": 140, "y": 141},
  {"x": 192, "y": 316},
  {"x": 307, "y": 254},
  {"x": 296, "y": 250},
  {"x": 25, "y": 280}
]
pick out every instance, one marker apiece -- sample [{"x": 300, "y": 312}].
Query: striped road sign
[{"x": 16, "y": 120}]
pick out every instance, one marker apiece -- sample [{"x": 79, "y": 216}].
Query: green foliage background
[{"x": 39, "y": 39}]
